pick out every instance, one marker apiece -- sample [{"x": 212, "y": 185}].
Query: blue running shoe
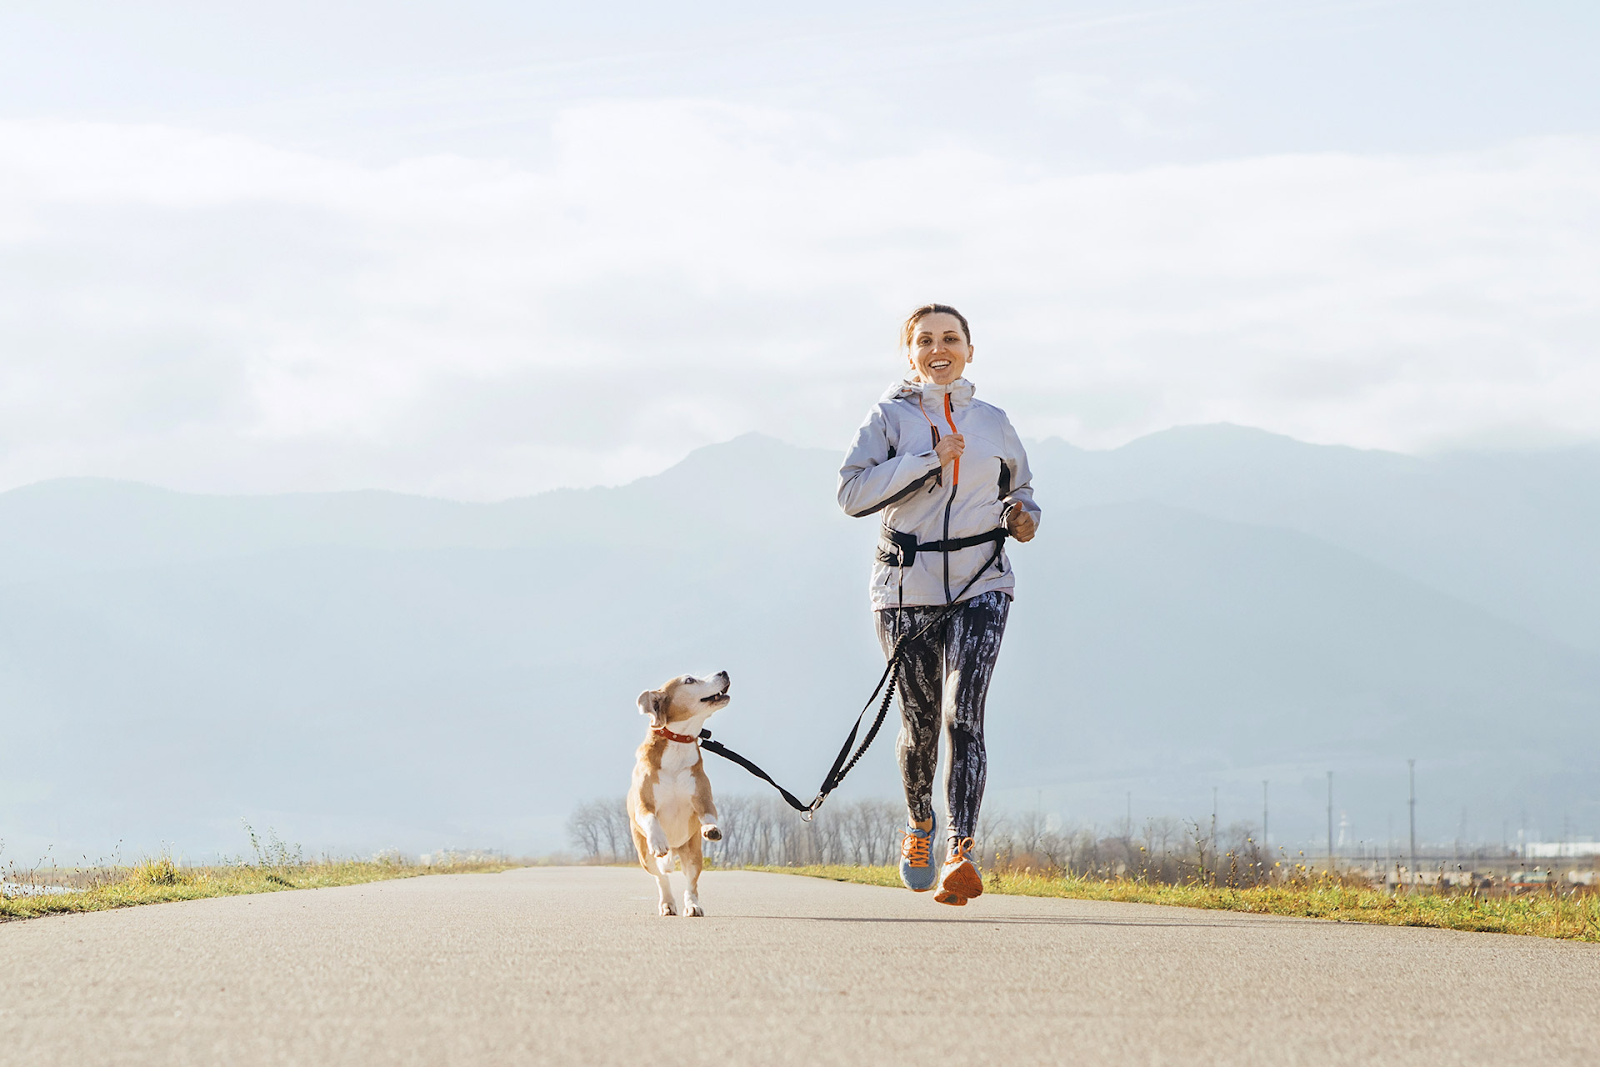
[{"x": 917, "y": 869}]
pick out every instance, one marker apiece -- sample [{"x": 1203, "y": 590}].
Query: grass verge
[
  {"x": 160, "y": 880},
  {"x": 1571, "y": 917}
]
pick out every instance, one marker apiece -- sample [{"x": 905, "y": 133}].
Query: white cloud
[
  {"x": 1152, "y": 108},
  {"x": 212, "y": 312}
]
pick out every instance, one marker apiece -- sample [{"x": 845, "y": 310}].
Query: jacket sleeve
[
  {"x": 871, "y": 478},
  {"x": 1016, "y": 461}
]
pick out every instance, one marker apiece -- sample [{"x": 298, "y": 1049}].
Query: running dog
[{"x": 670, "y": 804}]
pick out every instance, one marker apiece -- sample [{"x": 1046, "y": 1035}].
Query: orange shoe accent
[{"x": 961, "y": 880}]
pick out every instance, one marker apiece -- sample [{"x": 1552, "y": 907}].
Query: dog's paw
[
  {"x": 666, "y": 909},
  {"x": 657, "y": 841},
  {"x": 710, "y": 832},
  {"x": 693, "y": 911}
]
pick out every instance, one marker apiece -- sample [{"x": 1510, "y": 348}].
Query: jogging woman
[{"x": 949, "y": 475}]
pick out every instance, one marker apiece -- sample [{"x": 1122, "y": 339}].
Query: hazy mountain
[
  {"x": 1514, "y": 533},
  {"x": 1207, "y": 607}
]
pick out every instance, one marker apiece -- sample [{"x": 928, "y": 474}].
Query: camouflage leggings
[{"x": 944, "y": 680}]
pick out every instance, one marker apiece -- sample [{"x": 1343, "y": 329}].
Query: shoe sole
[
  {"x": 944, "y": 896},
  {"x": 961, "y": 881}
]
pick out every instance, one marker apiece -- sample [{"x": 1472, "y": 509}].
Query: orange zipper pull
[{"x": 949, "y": 416}]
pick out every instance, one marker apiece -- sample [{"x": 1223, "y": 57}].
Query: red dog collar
[{"x": 670, "y": 736}]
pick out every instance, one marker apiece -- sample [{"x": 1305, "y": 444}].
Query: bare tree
[
  {"x": 618, "y": 829},
  {"x": 599, "y": 830},
  {"x": 583, "y": 829}
]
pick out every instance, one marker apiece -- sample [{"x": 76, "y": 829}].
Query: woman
[{"x": 944, "y": 506}]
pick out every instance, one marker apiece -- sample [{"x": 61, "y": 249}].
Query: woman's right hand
[{"x": 950, "y": 448}]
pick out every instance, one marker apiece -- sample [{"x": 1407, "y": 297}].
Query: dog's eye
[{"x": 688, "y": 679}]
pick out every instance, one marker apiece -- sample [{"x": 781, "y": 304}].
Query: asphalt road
[{"x": 572, "y": 965}]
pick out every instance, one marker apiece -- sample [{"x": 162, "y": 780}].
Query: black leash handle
[{"x": 845, "y": 762}]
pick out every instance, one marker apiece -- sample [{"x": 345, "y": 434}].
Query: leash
[{"x": 845, "y": 762}]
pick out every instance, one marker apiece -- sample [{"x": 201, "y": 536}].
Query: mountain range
[{"x": 1205, "y": 608}]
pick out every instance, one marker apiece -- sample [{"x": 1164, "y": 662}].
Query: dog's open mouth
[{"x": 718, "y": 699}]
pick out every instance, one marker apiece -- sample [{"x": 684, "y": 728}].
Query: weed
[
  {"x": 160, "y": 871},
  {"x": 46, "y": 890},
  {"x": 1571, "y": 915}
]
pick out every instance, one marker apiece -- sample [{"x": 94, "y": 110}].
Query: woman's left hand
[{"x": 1020, "y": 523}]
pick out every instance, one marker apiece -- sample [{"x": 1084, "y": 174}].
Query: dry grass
[
  {"x": 1571, "y": 916},
  {"x": 159, "y": 880}
]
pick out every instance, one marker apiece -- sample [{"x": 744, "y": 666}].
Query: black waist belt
[{"x": 900, "y": 549}]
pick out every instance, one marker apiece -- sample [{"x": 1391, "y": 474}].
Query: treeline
[
  {"x": 763, "y": 831},
  {"x": 758, "y": 831}
]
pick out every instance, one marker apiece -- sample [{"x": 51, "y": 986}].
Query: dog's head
[{"x": 683, "y": 698}]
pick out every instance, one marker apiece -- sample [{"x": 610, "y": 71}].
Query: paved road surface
[{"x": 571, "y": 965}]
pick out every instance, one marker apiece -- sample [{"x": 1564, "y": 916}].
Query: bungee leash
[{"x": 845, "y": 761}]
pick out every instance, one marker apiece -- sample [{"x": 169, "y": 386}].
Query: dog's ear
[{"x": 653, "y": 702}]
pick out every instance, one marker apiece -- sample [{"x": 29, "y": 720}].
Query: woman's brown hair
[{"x": 909, "y": 330}]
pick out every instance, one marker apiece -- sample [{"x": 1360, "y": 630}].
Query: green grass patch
[
  {"x": 1572, "y": 916},
  {"x": 160, "y": 880}
]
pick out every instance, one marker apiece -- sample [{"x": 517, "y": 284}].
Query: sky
[{"x": 479, "y": 250}]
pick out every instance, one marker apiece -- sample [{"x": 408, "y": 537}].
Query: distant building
[{"x": 1561, "y": 849}]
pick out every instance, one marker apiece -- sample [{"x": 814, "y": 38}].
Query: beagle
[{"x": 669, "y": 805}]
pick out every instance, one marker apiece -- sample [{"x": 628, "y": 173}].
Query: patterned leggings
[{"x": 944, "y": 680}]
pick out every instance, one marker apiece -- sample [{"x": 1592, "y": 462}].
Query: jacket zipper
[{"x": 955, "y": 484}]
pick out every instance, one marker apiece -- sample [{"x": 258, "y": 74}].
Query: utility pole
[
  {"x": 1412, "y": 765},
  {"x": 1330, "y": 820},
  {"x": 1129, "y": 831},
  {"x": 1213, "y": 820},
  {"x": 1264, "y": 814}
]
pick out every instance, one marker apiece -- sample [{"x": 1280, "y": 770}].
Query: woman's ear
[{"x": 653, "y": 702}]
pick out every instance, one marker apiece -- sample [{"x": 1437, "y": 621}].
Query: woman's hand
[
  {"x": 1020, "y": 522},
  {"x": 950, "y": 448}
]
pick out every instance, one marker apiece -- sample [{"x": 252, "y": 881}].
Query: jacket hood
[{"x": 960, "y": 390}]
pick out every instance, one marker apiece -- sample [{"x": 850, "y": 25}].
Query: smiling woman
[{"x": 942, "y": 548}]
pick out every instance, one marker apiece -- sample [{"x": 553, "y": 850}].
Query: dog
[{"x": 669, "y": 805}]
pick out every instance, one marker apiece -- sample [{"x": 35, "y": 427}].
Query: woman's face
[{"x": 939, "y": 350}]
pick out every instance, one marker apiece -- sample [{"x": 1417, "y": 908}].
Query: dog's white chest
[{"x": 676, "y": 785}]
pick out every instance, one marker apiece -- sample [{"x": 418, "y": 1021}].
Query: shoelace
[
  {"x": 959, "y": 849},
  {"x": 914, "y": 849}
]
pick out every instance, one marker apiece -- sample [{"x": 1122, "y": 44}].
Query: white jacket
[{"x": 892, "y": 468}]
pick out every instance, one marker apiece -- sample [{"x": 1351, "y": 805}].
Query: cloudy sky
[{"x": 482, "y": 249}]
